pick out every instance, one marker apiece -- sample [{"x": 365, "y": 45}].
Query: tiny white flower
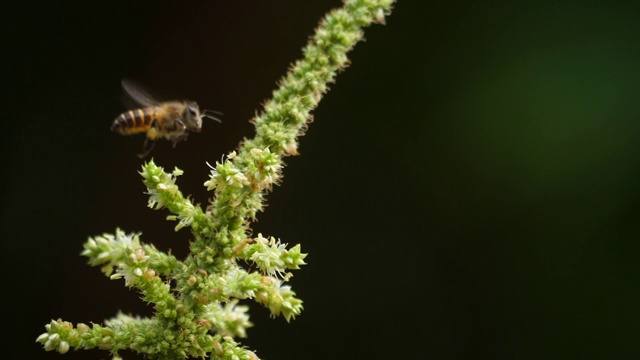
[
  {"x": 116, "y": 276},
  {"x": 48, "y": 346},
  {"x": 63, "y": 347}
]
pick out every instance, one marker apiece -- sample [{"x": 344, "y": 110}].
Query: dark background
[{"x": 468, "y": 190}]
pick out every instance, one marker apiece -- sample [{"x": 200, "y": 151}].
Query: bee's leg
[
  {"x": 180, "y": 124},
  {"x": 180, "y": 138},
  {"x": 147, "y": 147},
  {"x": 150, "y": 140}
]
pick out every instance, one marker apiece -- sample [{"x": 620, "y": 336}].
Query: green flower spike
[{"x": 196, "y": 301}]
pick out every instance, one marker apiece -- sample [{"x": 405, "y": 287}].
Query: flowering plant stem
[{"x": 196, "y": 300}]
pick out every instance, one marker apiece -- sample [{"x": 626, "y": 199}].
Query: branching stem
[{"x": 196, "y": 300}]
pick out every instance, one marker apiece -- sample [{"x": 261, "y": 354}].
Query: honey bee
[{"x": 171, "y": 120}]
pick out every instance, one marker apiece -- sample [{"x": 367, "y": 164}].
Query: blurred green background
[{"x": 468, "y": 189}]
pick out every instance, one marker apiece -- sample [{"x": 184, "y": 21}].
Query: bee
[{"x": 171, "y": 120}]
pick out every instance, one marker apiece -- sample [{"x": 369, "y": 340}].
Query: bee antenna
[
  {"x": 213, "y": 112},
  {"x": 207, "y": 114}
]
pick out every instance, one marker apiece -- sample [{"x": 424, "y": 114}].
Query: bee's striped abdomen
[{"x": 133, "y": 121}]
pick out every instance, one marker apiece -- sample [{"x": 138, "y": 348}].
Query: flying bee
[{"x": 171, "y": 120}]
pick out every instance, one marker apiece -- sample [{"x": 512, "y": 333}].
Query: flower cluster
[{"x": 273, "y": 258}]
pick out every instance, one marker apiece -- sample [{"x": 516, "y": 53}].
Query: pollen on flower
[
  {"x": 192, "y": 280},
  {"x": 203, "y": 322},
  {"x": 140, "y": 254},
  {"x": 263, "y": 296}
]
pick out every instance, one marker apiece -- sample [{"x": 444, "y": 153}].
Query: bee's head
[{"x": 193, "y": 117}]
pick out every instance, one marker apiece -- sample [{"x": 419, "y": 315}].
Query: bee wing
[{"x": 137, "y": 95}]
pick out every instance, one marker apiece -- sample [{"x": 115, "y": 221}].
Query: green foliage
[{"x": 196, "y": 299}]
